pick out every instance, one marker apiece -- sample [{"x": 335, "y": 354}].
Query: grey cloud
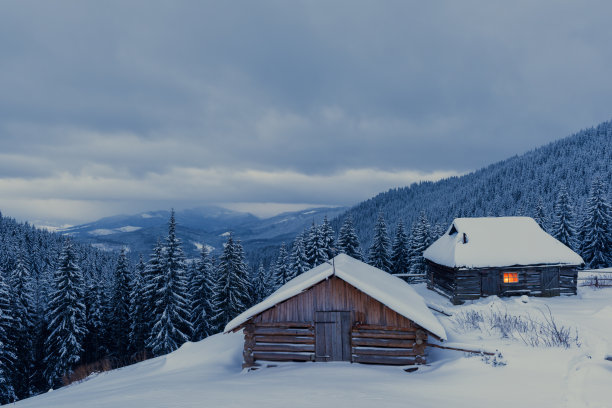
[{"x": 128, "y": 90}]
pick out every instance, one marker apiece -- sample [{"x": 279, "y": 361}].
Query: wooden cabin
[
  {"x": 501, "y": 256},
  {"x": 342, "y": 310}
]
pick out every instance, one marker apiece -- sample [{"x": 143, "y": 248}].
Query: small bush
[{"x": 545, "y": 332}]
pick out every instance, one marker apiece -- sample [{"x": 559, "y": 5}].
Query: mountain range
[{"x": 206, "y": 225}]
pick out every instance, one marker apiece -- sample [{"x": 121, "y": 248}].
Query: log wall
[{"x": 465, "y": 284}]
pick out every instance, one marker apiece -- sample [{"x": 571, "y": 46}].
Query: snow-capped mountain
[{"x": 207, "y": 225}]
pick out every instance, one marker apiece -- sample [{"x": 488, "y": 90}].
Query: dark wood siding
[
  {"x": 333, "y": 295},
  {"x": 466, "y": 284},
  {"x": 333, "y": 321}
]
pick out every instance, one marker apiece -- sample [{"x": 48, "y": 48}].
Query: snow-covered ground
[{"x": 208, "y": 373}]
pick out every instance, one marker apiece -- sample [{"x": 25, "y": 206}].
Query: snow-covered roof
[
  {"x": 498, "y": 242},
  {"x": 382, "y": 286}
]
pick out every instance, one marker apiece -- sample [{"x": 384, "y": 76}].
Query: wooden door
[
  {"x": 490, "y": 283},
  {"x": 550, "y": 282},
  {"x": 332, "y": 336}
]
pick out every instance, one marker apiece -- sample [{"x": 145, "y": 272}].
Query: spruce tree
[
  {"x": 379, "y": 251},
  {"x": 120, "y": 307},
  {"x": 66, "y": 317},
  {"x": 348, "y": 242},
  {"x": 539, "y": 214},
  {"x": 152, "y": 280},
  {"x": 399, "y": 251},
  {"x": 315, "y": 252},
  {"x": 7, "y": 346},
  {"x": 597, "y": 228},
  {"x": 419, "y": 243},
  {"x": 172, "y": 326},
  {"x": 22, "y": 301},
  {"x": 563, "y": 227},
  {"x": 262, "y": 284},
  {"x": 202, "y": 292},
  {"x": 327, "y": 240},
  {"x": 232, "y": 291},
  {"x": 282, "y": 271},
  {"x": 138, "y": 327},
  {"x": 299, "y": 261},
  {"x": 96, "y": 338}
]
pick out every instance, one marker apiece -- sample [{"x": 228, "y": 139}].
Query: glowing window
[{"x": 510, "y": 277}]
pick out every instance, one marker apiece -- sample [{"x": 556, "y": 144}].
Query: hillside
[
  {"x": 208, "y": 373},
  {"x": 510, "y": 187}
]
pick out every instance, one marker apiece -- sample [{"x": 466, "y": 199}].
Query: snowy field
[{"x": 208, "y": 373}]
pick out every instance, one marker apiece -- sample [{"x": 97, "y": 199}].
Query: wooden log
[
  {"x": 285, "y": 339},
  {"x": 384, "y": 335},
  {"x": 283, "y": 332},
  {"x": 461, "y": 349},
  {"x": 360, "y": 326},
  {"x": 287, "y": 325},
  {"x": 283, "y": 356},
  {"x": 297, "y": 348},
  {"x": 382, "y": 343},
  {"x": 384, "y": 352},
  {"x": 383, "y": 360},
  {"x": 421, "y": 337}
]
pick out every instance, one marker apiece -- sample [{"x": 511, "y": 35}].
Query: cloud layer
[{"x": 123, "y": 106}]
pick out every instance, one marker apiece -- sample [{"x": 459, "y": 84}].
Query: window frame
[{"x": 507, "y": 278}]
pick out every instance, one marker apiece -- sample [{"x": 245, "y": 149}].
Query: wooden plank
[
  {"x": 383, "y": 335},
  {"x": 287, "y": 325},
  {"x": 382, "y": 343},
  {"x": 295, "y": 348},
  {"x": 379, "y": 327},
  {"x": 320, "y": 339},
  {"x": 285, "y": 339},
  {"x": 336, "y": 338},
  {"x": 346, "y": 336},
  {"x": 372, "y": 331},
  {"x": 384, "y": 360},
  {"x": 283, "y": 332},
  {"x": 283, "y": 356},
  {"x": 401, "y": 352}
]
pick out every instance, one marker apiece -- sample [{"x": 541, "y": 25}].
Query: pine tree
[
  {"x": 202, "y": 292},
  {"x": 22, "y": 300},
  {"x": 172, "y": 326},
  {"x": 327, "y": 240},
  {"x": 399, "y": 251},
  {"x": 138, "y": 327},
  {"x": 120, "y": 307},
  {"x": 299, "y": 261},
  {"x": 379, "y": 251},
  {"x": 539, "y": 215},
  {"x": 348, "y": 242},
  {"x": 7, "y": 346},
  {"x": 563, "y": 222},
  {"x": 419, "y": 243},
  {"x": 597, "y": 228},
  {"x": 282, "y": 272},
  {"x": 232, "y": 293},
  {"x": 66, "y": 317}
]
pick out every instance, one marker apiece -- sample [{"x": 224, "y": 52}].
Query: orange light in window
[{"x": 510, "y": 277}]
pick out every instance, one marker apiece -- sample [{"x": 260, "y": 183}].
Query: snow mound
[
  {"x": 382, "y": 286},
  {"x": 498, "y": 242}
]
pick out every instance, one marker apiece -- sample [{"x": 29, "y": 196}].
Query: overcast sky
[{"x": 119, "y": 107}]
